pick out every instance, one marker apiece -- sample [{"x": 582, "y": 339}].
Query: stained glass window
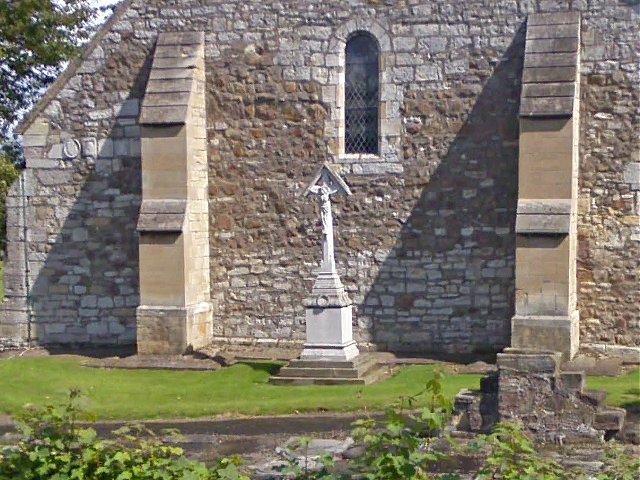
[{"x": 362, "y": 86}]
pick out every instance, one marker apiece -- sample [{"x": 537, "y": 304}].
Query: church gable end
[{"x": 162, "y": 202}]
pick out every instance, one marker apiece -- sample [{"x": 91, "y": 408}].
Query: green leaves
[
  {"x": 620, "y": 465},
  {"x": 36, "y": 36},
  {"x": 8, "y": 174},
  {"x": 512, "y": 456},
  {"x": 53, "y": 447},
  {"x": 401, "y": 447}
]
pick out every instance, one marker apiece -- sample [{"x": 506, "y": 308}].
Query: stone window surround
[{"x": 389, "y": 129}]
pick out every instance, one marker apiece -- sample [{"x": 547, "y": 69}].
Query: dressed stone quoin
[{"x": 328, "y": 309}]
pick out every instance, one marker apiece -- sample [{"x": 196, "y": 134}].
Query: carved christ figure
[{"x": 324, "y": 192}]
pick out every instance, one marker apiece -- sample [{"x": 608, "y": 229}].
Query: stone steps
[
  {"x": 361, "y": 371},
  {"x": 579, "y": 414},
  {"x": 299, "y": 363},
  {"x": 318, "y": 372},
  {"x": 596, "y": 398},
  {"x": 316, "y": 381}
]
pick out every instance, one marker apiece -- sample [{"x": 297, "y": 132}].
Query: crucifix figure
[{"x": 324, "y": 192}]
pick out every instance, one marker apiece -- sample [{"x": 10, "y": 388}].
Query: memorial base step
[{"x": 362, "y": 370}]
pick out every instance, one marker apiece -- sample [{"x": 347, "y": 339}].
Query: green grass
[
  {"x": 621, "y": 391},
  {"x": 240, "y": 389}
]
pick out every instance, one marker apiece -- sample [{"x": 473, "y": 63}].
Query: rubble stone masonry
[{"x": 426, "y": 244}]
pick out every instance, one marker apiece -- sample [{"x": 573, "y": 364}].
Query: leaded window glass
[{"x": 362, "y": 86}]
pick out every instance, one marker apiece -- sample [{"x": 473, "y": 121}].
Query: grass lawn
[
  {"x": 622, "y": 391},
  {"x": 241, "y": 389}
]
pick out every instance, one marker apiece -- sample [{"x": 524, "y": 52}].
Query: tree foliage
[
  {"x": 36, "y": 37},
  {"x": 8, "y": 174}
]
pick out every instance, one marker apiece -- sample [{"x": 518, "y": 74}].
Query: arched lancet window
[{"x": 362, "y": 94}]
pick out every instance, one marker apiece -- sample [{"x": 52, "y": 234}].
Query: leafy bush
[
  {"x": 53, "y": 447},
  {"x": 512, "y": 456},
  {"x": 620, "y": 465},
  {"x": 8, "y": 174},
  {"x": 300, "y": 470},
  {"x": 403, "y": 446}
]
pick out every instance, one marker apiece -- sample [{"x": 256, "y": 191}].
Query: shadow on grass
[
  {"x": 268, "y": 367},
  {"x": 633, "y": 406}
]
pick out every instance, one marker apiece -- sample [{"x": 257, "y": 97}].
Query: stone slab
[
  {"x": 315, "y": 381},
  {"x": 555, "y": 18},
  {"x": 573, "y": 381},
  {"x": 363, "y": 370},
  {"x": 611, "y": 367},
  {"x": 552, "y": 45},
  {"x": 543, "y": 224},
  {"x": 176, "y": 62},
  {"x": 154, "y": 362},
  {"x": 169, "y": 85},
  {"x": 319, "y": 372},
  {"x": 628, "y": 355},
  {"x": 568, "y": 30},
  {"x": 172, "y": 74},
  {"x": 177, "y": 51},
  {"x": 166, "y": 99},
  {"x": 567, "y": 59},
  {"x": 162, "y": 215},
  {"x": 596, "y": 398},
  {"x": 546, "y": 206},
  {"x": 330, "y": 352},
  {"x": 549, "y": 74},
  {"x": 181, "y": 38},
  {"x": 567, "y": 89},
  {"x": 530, "y": 362},
  {"x": 173, "y": 115},
  {"x": 546, "y": 107},
  {"x": 611, "y": 419}
]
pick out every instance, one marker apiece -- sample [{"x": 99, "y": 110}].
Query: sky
[{"x": 104, "y": 3}]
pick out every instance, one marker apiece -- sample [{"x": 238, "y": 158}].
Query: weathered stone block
[
  {"x": 611, "y": 419},
  {"x": 543, "y": 224},
  {"x": 547, "y": 106},
  {"x": 173, "y": 330},
  {"x": 573, "y": 381},
  {"x": 560, "y": 334},
  {"x": 162, "y": 215},
  {"x": 529, "y": 362}
]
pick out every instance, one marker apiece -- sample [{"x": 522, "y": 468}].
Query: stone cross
[
  {"x": 326, "y": 183},
  {"x": 329, "y": 314}
]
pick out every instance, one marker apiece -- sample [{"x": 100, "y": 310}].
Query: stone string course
[{"x": 426, "y": 244}]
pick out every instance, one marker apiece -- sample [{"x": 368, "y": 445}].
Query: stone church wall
[{"x": 426, "y": 244}]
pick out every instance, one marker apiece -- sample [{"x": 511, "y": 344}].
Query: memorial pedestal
[{"x": 329, "y": 322}]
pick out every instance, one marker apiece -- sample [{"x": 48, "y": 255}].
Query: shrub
[
  {"x": 620, "y": 465},
  {"x": 53, "y": 447},
  {"x": 402, "y": 446},
  {"x": 512, "y": 456}
]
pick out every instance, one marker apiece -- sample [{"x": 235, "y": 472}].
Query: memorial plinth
[{"x": 329, "y": 318}]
